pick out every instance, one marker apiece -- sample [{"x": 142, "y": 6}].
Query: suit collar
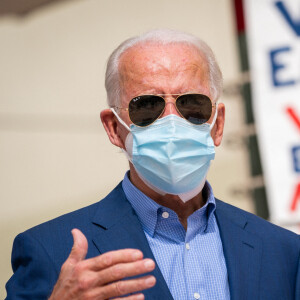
[
  {"x": 242, "y": 251},
  {"x": 119, "y": 228},
  {"x": 113, "y": 208}
]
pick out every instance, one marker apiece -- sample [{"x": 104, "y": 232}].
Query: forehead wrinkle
[
  {"x": 150, "y": 70},
  {"x": 158, "y": 72}
]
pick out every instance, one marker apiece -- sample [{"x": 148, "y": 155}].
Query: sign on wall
[{"x": 273, "y": 35}]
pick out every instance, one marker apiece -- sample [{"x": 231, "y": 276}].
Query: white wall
[{"x": 54, "y": 154}]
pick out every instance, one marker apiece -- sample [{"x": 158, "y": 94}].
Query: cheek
[{"x": 125, "y": 117}]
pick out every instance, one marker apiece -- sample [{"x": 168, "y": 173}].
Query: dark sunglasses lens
[
  {"x": 195, "y": 108},
  {"x": 144, "y": 110}
]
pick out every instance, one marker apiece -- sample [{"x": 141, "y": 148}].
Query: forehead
[{"x": 163, "y": 68}]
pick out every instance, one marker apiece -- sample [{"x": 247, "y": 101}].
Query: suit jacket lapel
[
  {"x": 242, "y": 251},
  {"x": 119, "y": 228}
]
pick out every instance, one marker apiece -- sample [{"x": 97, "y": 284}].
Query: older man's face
[{"x": 157, "y": 69}]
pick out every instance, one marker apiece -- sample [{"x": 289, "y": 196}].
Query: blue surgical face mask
[{"x": 171, "y": 156}]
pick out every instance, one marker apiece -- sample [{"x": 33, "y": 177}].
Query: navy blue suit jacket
[{"x": 262, "y": 259}]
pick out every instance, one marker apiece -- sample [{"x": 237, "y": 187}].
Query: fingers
[
  {"x": 79, "y": 249},
  {"x": 102, "y": 277},
  {"x": 111, "y": 258},
  {"x": 108, "y": 281},
  {"x": 132, "y": 297},
  {"x": 122, "y": 287},
  {"x": 123, "y": 270},
  {"x": 89, "y": 275}
]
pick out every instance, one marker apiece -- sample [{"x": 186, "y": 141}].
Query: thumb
[{"x": 80, "y": 247}]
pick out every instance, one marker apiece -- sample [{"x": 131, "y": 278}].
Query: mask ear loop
[
  {"x": 119, "y": 119},
  {"x": 128, "y": 151},
  {"x": 215, "y": 117}
]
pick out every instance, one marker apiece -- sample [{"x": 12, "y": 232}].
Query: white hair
[{"x": 162, "y": 37}]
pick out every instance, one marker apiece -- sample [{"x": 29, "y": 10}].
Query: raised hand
[{"x": 102, "y": 277}]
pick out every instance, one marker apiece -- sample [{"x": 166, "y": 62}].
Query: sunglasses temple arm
[{"x": 119, "y": 119}]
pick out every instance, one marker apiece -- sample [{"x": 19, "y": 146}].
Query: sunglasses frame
[{"x": 162, "y": 96}]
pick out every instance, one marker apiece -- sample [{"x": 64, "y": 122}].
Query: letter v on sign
[
  {"x": 296, "y": 120},
  {"x": 294, "y": 24}
]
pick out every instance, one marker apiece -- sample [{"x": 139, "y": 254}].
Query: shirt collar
[{"x": 147, "y": 209}]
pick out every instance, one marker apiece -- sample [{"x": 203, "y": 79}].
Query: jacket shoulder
[
  {"x": 80, "y": 218},
  {"x": 257, "y": 225}
]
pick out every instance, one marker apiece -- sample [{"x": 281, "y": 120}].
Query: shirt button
[
  {"x": 196, "y": 296},
  {"x": 187, "y": 246},
  {"x": 165, "y": 215}
]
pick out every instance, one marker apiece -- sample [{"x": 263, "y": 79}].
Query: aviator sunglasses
[{"x": 144, "y": 110}]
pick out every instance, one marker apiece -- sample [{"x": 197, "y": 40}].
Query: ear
[
  {"x": 217, "y": 131},
  {"x": 112, "y": 128}
]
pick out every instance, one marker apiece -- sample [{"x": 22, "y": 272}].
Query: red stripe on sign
[
  {"x": 296, "y": 198},
  {"x": 239, "y": 16},
  {"x": 291, "y": 112}
]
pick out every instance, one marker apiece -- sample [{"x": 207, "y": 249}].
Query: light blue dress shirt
[{"x": 192, "y": 262}]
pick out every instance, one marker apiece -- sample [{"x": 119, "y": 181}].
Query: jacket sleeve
[{"x": 34, "y": 272}]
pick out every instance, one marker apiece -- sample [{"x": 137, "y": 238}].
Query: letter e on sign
[{"x": 296, "y": 158}]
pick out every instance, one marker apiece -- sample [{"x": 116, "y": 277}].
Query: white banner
[{"x": 273, "y": 35}]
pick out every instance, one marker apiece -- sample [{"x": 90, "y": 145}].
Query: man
[{"x": 160, "y": 234}]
